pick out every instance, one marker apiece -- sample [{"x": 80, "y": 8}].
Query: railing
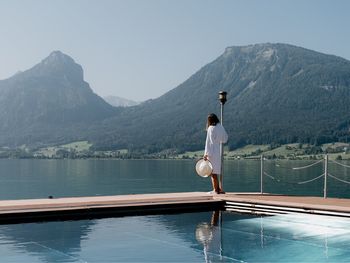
[{"x": 325, "y": 173}]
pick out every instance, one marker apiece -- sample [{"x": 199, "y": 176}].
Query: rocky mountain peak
[
  {"x": 60, "y": 65},
  {"x": 277, "y": 94},
  {"x": 57, "y": 57},
  {"x": 46, "y": 98}
]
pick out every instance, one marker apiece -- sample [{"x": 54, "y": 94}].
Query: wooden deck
[
  {"x": 14, "y": 211},
  {"x": 272, "y": 204}
]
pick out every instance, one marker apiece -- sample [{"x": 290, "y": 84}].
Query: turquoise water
[
  {"x": 190, "y": 237},
  {"x": 23, "y": 179}
]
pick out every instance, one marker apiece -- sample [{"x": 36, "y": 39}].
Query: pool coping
[
  {"x": 72, "y": 208},
  {"x": 31, "y": 210},
  {"x": 256, "y": 203}
]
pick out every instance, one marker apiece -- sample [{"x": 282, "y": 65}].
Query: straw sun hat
[{"x": 204, "y": 168}]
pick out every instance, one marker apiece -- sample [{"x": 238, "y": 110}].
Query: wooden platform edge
[
  {"x": 254, "y": 203},
  {"x": 90, "y": 210},
  {"x": 76, "y": 208}
]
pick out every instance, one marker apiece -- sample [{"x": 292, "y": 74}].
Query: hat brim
[{"x": 199, "y": 166}]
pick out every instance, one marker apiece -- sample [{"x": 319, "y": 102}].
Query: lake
[{"x": 26, "y": 178}]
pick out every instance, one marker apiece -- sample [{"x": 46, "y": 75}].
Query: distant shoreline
[{"x": 81, "y": 151}]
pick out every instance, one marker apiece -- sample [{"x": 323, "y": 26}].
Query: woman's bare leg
[{"x": 215, "y": 183}]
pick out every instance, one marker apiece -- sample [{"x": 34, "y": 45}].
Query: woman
[{"x": 216, "y": 135}]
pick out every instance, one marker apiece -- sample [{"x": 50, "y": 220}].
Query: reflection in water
[
  {"x": 50, "y": 241},
  {"x": 24, "y": 178},
  {"x": 213, "y": 236},
  {"x": 286, "y": 238},
  {"x": 209, "y": 235}
]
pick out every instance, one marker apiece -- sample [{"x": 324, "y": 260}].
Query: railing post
[
  {"x": 261, "y": 173},
  {"x": 222, "y": 99},
  {"x": 325, "y": 176}
]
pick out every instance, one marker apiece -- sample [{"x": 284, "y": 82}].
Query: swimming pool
[{"x": 189, "y": 237}]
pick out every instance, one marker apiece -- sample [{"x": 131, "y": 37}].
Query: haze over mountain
[
  {"x": 119, "y": 102},
  {"x": 277, "y": 93},
  {"x": 50, "y": 102}
]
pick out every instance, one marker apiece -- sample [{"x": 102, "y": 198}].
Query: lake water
[{"x": 23, "y": 179}]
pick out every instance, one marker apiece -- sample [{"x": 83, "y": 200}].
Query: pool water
[{"x": 189, "y": 237}]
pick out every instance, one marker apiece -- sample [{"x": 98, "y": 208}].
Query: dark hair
[{"x": 212, "y": 120}]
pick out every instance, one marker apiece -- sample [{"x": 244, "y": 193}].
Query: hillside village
[{"x": 84, "y": 150}]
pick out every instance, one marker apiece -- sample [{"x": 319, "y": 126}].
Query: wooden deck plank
[
  {"x": 57, "y": 207},
  {"x": 79, "y": 207},
  {"x": 305, "y": 202},
  {"x": 118, "y": 200}
]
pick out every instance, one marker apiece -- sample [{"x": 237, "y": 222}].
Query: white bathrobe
[{"x": 215, "y": 136}]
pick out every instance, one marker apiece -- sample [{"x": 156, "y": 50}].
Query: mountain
[
  {"x": 49, "y": 103},
  {"x": 119, "y": 102},
  {"x": 277, "y": 93}
]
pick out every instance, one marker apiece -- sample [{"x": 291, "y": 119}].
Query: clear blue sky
[{"x": 140, "y": 49}]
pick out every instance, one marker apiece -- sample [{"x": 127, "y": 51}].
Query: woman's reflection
[{"x": 209, "y": 235}]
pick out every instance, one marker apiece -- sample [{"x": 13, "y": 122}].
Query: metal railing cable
[
  {"x": 278, "y": 180},
  {"x": 289, "y": 182},
  {"x": 307, "y": 166},
  {"x": 338, "y": 179},
  {"x": 293, "y": 168},
  {"x": 325, "y": 173},
  {"x": 341, "y": 164},
  {"x": 273, "y": 178},
  {"x": 314, "y": 179}
]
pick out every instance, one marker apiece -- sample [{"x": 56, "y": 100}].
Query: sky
[{"x": 140, "y": 49}]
